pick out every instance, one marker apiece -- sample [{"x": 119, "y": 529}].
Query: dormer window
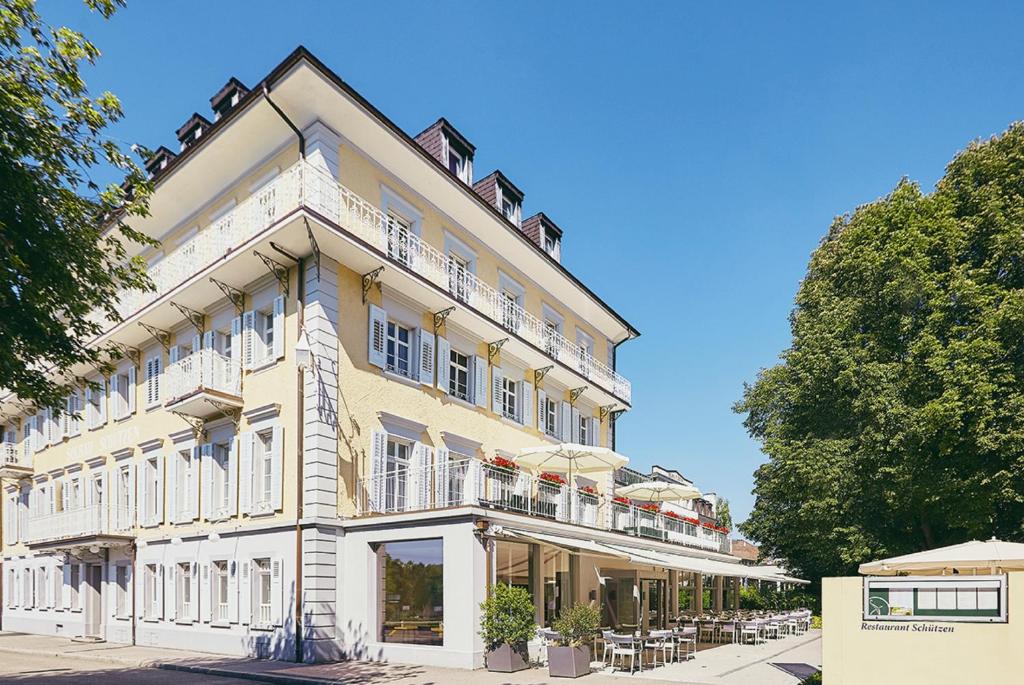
[
  {"x": 457, "y": 165},
  {"x": 449, "y": 147},
  {"x": 502, "y": 194},
  {"x": 545, "y": 234}
]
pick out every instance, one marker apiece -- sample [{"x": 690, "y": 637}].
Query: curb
[
  {"x": 102, "y": 658},
  {"x": 274, "y": 678}
]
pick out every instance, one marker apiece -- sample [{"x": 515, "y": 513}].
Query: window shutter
[
  {"x": 276, "y": 590},
  {"x": 91, "y": 417},
  {"x": 208, "y": 338},
  {"x": 65, "y": 588},
  {"x": 593, "y": 432},
  {"x": 444, "y": 366},
  {"x": 171, "y": 592},
  {"x": 237, "y": 351},
  {"x": 245, "y": 474},
  {"x": 426, "y": 355},
  {"x": 130, "y": 515},
  {"x": 173, "y": 354},
  {"x": 112, "y": 592},
  {"x": 565, "y": 429},
  {"x": 82, "y": 584},
  {"x": 244, "y": 593},
  {"x": 119, "y": 408},
  {"x": 526, "y": 405},
  {"x": 233, "y": 591},
  {"x": 197, "y": 343},
  {"x": 480, "y": 393},
  {"x": 192, "y": 496},
  {"x": 130, "y": 391},
  {"x": 128, "y": 589},
  {"x": 277, "y": 352},
  {"x": 276, "y": 467},
  {"x": 158, "y": 510},
  {"x": 197, "y": 599},
  {"x": 144, "y": 495},
  {"x": 418, "y": 496},
  {"x": 496, "y": 383},
  {"x": 441, "y": 474},
  {"x": 102, "y": 406},
  {"x": 206, "y": 485},
  {"x": 248, "y": 339},
  {"x": 542, "y": 405},
  {"x": 233, "y": 478},
  {"x": 378, "y": 469},
  {"x": 160, "y": 592},
  {"x": 377, "y": 336},
  {"x": 65, "y": 418},
  {"x": 171, "y": 475},
  {"x": 574, "y": 435},
  {"x": 65, "y": 493}
]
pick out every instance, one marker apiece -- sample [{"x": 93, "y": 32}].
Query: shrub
[
  {"x": 816, "y": 622},
  {"x": 813, "y": 680},
  {"x": 507, "y": 616},
  {"x": 577, "y": 624}
]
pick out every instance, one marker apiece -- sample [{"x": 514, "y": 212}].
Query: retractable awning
[
  {"x": 564, "y": 542},
  {"x": 711, "y": 567}
]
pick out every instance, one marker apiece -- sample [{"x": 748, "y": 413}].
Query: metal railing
[
  {"x": 9, "y": 453},
  {"x": 206, "y": 369},
  {"x": 475, "y": 482},
  {"x": 94, "y": 519},
  {"x": 305, "y": 185}
]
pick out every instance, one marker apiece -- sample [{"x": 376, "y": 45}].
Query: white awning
[
  {"x": 570, "y": 544},
  {"x": 711, "y": 567}
]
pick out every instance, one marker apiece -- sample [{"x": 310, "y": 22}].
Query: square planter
[
  {"x": 568, "y": 662},
  {"x": 507, "y": 658}
]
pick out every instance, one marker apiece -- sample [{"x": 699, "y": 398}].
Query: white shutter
[
  {"x": 441, "y": 474},
  {"x": 158, "y": 510},
  {"x": 115, "y": 393},
  {"x": 65, "y": 588},
  {"x": 112, "y": 590},
  {"x": 208, "y": 338},
  {"x": 426, "y": 354},
  {"x": 542, "y": 405},
  {"x": 130, "y": 391},
  {"x": 82, "y": 584},
  {"x": 480, "y": 393},
  {"x": 78, "y": 414},
  {"x": 153, "y": 367},
  {"x": 574, "y": 433},
  {"x": 244, "y": 592},
  {"x": 171, "y": 475},
  {"x": 377, "y": 336},
  {"x": 496, "y": 384},
  {"x": 248, "y": 340},
  {"x": 102, "y": 405},
  {"x": 144, "y": 494},
  {"x": 192, "y": 498},
  {"x": 276, "y": 590},
  {"x": 91, "y": 418},
  {"x": 277, "y": 352},
  {"x": 206, "y": 485},
  {"x": 233, "y": 477},
  {"x": 233, "y": 591},
  {"x": 418, "y": 494},
  {"x": 128, "y": 588},
  {"x": 593, "y": 431},
  {"x": 65, "y": 493},
  {"x": 237, "y": 351},
  {"x": 197, "y": 343},
  {"x": 196, "y": 600},
  {"x": 444, "y": 354},
  {"x": 170, "y": 592},
  {"x": 245, "y": 473},
  {"x": 378, "y": 469},
  {"x": 565, "y": 427},
  {"x": 131, "y": 514},
  {"x": 173, "y": 354},
  {"x": 526, "y": 405},
  {"x": 276, "y": 467}
]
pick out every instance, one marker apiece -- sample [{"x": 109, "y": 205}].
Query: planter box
[
  {"x": 507, "y": 658},
  {"x": 568, "y": 662}
]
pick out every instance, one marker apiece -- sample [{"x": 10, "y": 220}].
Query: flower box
[
  {"x": 552, "y": 478},
  {"x": 503, "y": 463}
]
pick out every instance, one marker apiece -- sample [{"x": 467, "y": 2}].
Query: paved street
[{"x": 64, "y": 670}]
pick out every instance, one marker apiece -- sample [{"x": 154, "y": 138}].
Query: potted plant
[
  {"x": 506, "y": 625},
  {"x": 552, "y": 478},
  {"x": 576, "y": 626},
  {"x": 503, "y": 463}
]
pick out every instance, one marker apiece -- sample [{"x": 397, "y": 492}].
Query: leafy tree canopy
[
  {"x": 895, "y": 420},
  {"x": 63, "y": 239}
]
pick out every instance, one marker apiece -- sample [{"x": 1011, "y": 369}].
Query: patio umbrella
[
  {"x": 659, "y": 491},
  {"x": 571, "y": 457},
  {"x": 990, "y": 556}
]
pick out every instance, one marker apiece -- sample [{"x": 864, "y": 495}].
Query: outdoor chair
[
  {"x": 627, "y": 645},
  {"x": 771, "y": 628},
  {"x": 547, "y": 637},
  {"x": 687, "y": 642},
  {"x": 749, "y": 630},
  {"x": 707, "y": 629},
  {"x": 606, "y": 639},
  {"x": 727, "y": 630},
  {"x": 661, "y": 640}
]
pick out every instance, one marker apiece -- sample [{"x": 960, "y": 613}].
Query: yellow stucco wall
[{"x": 971, "y": 653}]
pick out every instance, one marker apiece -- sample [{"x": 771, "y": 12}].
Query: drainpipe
[
  {"x": 131, "y": 565},
  {"x": 300, "y": 295}
]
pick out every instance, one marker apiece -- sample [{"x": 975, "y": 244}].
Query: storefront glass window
[
  {"x": 555, "y": 569},
  {"x": 412, "y": 582}
]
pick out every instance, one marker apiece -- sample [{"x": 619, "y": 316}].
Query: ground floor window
[
  {"x": 513, "y": 565},
  {"x": 555, "y": 572},
  {"x": 411, "y": 581},
  {"x": 619, "y": 602},
  {"x": 76, "y": 579},
  {"x": 219, "y": 601},
  {"x": 121, "y": 600},
  {"x": 261, "y": 583},
  {"x": 183, "y": 591},
  {"x": 58, "y": 585},
  {"x": 150, "y": 592}
]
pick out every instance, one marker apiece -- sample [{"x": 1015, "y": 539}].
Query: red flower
[
  {"x": 622, "y": 500},
  {"x": 695, "y": 522},
  {"x": 588, "y": 490},
  {"x": 552, "y": 478},
  {"x": 651, "y": 507},
  {"x": 673, "y": 515},
  {"x": 503, "y": 463}
]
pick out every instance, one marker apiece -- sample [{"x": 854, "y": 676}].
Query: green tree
[
  {"x": 63, "y": 238},
  {"x": 895, "y": 420},
  {"x": 724, "y": 516}
]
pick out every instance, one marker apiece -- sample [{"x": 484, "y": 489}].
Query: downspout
[
  {"x": 131, "y": 549},
  {"x": 299, "y": 297}
]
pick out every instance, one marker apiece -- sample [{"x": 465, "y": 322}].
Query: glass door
[{"x": 652, "y": 598}]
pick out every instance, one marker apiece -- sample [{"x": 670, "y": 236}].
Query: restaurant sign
[{"x": 964, "y": 599}]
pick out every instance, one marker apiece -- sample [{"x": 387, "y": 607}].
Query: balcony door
[{"x": 93, "y": 601}]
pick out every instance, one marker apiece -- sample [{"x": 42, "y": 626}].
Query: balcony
[
  {"x": 202, "y": 383},
  {"x": 11, "y": 464},
  {"x": 474, "y": 482},
  {"x": 87, "y": 525},
  {"x": 304, "y": 186}
]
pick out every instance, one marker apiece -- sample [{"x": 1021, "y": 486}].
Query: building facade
[{"x": 301, "y": 453}]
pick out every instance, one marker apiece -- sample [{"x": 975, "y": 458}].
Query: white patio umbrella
[
  {"x": 659, "y": 491},
  {"x": 571, "y": 457},
  {"x": 974, "y": 557}
]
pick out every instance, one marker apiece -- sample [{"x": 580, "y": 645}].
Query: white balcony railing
[
  {"x": 474, "y": 482},
  {"x": 95, "y": 519},
  {"x": 305, "y": 185},
  {"x": 203, "y": 370},
  {"x": 9, "y": 453}
]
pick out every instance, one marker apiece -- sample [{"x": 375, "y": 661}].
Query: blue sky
[{"x": 694, "y": 153}]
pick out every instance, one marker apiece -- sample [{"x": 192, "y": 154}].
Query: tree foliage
[
  {"x": 895, "y": 420},
  {"x": 724, "y": 515},
  {"x": 507, "y": 616},
  {"x": 63, "y": 238}
]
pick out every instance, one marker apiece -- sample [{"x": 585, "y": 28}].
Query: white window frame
[
  {"x": 262, "y": 610},
  {"x": 391, "y": 337},
  {"x": 220, "y": 598},
  {"x": 453, "y": 368},
  {"x": 263, "y": 470},
  {"x": 510, "y": 391},
  {"x": 183, "y": 584},
  {"x": 121, "y": 606}
]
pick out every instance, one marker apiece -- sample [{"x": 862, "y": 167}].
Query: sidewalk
[{"x": 727, "y": 665}]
